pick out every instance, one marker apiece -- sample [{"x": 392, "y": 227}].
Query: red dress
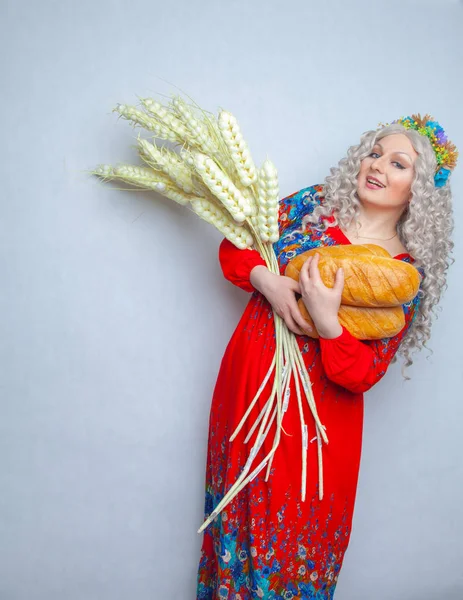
[{"x": 267, "y": 543}]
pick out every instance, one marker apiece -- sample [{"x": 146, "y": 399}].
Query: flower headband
[{"x": 446, "y": 152}]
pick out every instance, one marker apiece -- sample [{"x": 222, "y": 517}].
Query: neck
[{"x": 377, "y": 222}]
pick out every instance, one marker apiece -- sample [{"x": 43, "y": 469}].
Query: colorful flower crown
[{"x": 446, "y": 152}]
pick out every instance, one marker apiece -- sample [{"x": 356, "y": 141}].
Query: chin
[{"x": 370, "y": 199}]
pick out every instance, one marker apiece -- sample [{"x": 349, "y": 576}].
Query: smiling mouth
[{"x": 370, "y": 181}]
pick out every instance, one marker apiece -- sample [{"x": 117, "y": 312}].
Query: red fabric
[
  {"x": 353, "y": 364},
  {"x": 347, "y": 361},
  {"x": 237, "y": 267},
  {"x": 267, "y": 543}
]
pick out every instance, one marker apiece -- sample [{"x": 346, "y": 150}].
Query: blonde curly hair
[{"x": 425, "y": 228}]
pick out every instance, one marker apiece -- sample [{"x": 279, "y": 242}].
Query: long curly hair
[{"x": 424, "y": 228}]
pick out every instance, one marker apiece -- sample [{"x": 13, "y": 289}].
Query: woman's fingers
[
  {"x": 339, "y": 280},
  {"x": 283, "y": 301},
  {"x": 298, "y": 318},
  {"x": 294, "y": 323},
  {"x": 292, "y": 326},
  {"x": 294, "y": 320},
  {"x": 293, "y": 284},
  {"x": 306, "y": 265},
  {"x": 314, "y": 272},
  {"x": 304, "y": 271}
]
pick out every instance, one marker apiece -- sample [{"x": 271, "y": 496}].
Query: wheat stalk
[
  {"x": 214, "y": 175},
  {"x": 168, "y": 162},
  {"x": 268, "y": 197},
  {"x": 138, "y": 117},
  {"x": 222, "y": 187},
  {"x": 166, "y": 117},
  {"x": 238, "y": 148},
  {"x": 213, "y": 214},
  {"x": 198, "y": 132}
]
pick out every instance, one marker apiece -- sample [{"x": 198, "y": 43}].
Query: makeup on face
[{"x": 389, "y": 166}]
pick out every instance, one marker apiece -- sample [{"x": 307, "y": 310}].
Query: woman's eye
[{"x": 395, "y": 162}]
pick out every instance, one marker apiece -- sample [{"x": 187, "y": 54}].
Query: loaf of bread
[
  {"x": 372, "y": 278},
  {"x": 362, "y": 322},
  {"x": 375, "y": 287}
]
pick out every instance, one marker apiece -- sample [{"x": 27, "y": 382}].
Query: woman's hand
[
  {"x": 321, "y": 301},
  {"x": 281, "y": 291}
]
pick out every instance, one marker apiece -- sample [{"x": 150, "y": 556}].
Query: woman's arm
[
  {"x": 356, "y": 364},
  {"x": 247, "y": 270},
  {"x": 237, "y": 264}
]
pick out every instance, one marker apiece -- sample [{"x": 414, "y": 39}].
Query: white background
[{"x": 115, "y": 314}]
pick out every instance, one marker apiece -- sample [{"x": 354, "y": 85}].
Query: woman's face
[{"x": 392, "y": 162}]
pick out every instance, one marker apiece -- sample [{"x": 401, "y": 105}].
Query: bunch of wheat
[{"x": 211, "y": 171}]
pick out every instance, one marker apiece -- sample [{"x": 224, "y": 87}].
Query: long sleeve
[
  {"x": 237, "y": 264},
  {"x": 358, "y": 365}
]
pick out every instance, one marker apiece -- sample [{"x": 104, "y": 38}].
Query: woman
[{"x": 390, "y": 190}]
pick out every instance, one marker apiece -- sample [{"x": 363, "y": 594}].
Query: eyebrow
[{"x": 396, "y": 151}]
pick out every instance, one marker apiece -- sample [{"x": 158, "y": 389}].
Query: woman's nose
[{"x": 378, "y": 163}]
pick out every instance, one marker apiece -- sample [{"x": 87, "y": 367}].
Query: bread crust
[
  {"x": 362, "y": 322},
  {"x": 372, "y": 278},
  {"x": 375, "y": 287}
]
